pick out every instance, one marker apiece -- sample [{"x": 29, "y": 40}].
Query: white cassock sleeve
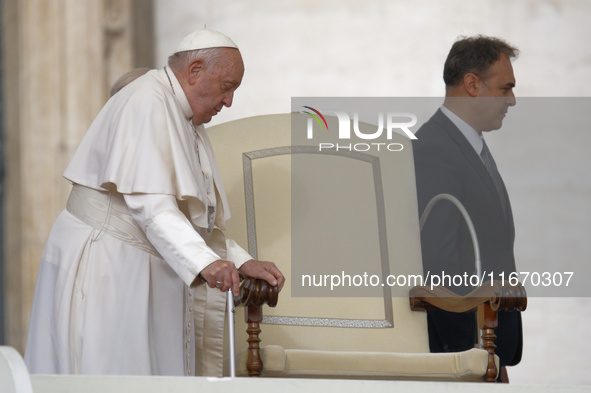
[
  {"x": 173, "y": 236},
  {"x": 171, "y": 233},
  {"x": 236, "y": 253}
]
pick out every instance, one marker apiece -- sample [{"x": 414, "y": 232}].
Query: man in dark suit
[{"x": 451, "y": 157}]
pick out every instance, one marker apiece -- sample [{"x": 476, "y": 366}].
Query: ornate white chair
[{"x": 378, "y": 336}]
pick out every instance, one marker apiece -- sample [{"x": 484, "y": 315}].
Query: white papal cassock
[{"x": 112, "y": 293}]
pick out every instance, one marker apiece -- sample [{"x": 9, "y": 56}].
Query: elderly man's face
[{"x": 215, "y": 86}]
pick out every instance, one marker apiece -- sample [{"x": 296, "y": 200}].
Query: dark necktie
[{"x": 489, "y": 162}]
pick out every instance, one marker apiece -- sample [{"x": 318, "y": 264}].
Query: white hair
[{"x": 180, "y": 60}]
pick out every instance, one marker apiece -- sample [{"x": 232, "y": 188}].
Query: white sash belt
[{"x": 107, "y": 212}]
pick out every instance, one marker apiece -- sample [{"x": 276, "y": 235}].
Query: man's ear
[
  {"x": 472, "y": 84},
  {"x": 194, "y": 70}
]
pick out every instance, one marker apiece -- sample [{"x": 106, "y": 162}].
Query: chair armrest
[
  {"x": 254, "y": 291},
  {"x": 499, "y": 297}
]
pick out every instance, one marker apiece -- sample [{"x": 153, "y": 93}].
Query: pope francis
[{"x": 134, "y": 273}]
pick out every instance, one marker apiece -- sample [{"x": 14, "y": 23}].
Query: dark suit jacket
[{"x": 445, "y": 162}]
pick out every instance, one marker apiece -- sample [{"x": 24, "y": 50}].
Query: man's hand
[
  {"x": 264, "y": 270},
  {"x": 222, "y": 275}
]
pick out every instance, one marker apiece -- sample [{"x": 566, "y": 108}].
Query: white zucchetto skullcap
[{"x": 203, "y": 39}]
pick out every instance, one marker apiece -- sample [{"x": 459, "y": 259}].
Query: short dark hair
[{"x": 474, "y": 54}]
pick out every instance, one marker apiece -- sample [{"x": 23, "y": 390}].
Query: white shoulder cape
[{"x": 142, "y": 141}]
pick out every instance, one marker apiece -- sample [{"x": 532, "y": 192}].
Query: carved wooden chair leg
[
  {"x": 254, "y": 364},
  {"x": 488, "y": 322},
  {"x": 254, "y": 293}
]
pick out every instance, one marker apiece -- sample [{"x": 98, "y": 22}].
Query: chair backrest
[{"x": 278, "y": 196}]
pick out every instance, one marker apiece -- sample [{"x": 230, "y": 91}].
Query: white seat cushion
[{"x": 460, "y": 366}]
